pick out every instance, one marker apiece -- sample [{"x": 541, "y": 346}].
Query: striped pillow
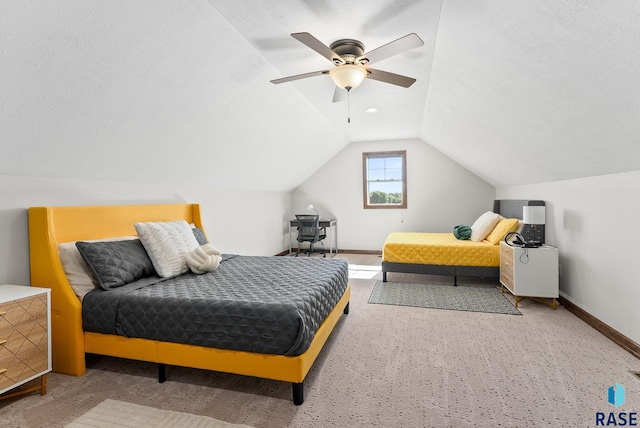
[{"x": 168, "y": 244}]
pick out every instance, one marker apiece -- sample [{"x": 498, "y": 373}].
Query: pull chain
[{"x": 348, "y": 88}]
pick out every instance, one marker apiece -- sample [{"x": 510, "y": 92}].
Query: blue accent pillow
[{"x": 116, "y": 263}]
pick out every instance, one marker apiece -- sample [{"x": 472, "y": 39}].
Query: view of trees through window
[
  {"x": 380, "y": 197},
  {"x": 385, "y": 180}
]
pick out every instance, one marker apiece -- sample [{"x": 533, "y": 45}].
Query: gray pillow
[
  {"x": 199, "y": 234},
  {"x": 116, "y": 263}
]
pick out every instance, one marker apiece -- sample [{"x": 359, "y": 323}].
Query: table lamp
[
  {"x": 533, "y": 218},
  {"x": 311, "y": 208}
]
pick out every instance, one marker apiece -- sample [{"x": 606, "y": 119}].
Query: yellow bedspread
[{"x": 438, "y": 249}]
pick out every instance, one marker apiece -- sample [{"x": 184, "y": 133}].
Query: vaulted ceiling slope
[
  {"x": 177, "y": 91},
  {"x": 149, "y": 91},
  {"x": 533, "y": 91}
]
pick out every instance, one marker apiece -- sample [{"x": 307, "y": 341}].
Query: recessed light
[{"x": 371, "y": 110}]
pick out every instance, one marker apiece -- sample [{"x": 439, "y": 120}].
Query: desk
[{"x": 332, "y": 234}]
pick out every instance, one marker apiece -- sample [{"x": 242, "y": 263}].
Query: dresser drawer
[{"x": 23, "y": 311}]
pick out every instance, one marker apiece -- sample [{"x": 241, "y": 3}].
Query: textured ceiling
[
  {"x": 535, "y": 91},
  {"x": 177, "y": 91},
  {"x": 268, "y": 25}
]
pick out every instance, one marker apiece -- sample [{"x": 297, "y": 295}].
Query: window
[{"x": 385, "y": 179}]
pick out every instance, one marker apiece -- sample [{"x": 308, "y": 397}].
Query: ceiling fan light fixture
[{"x": 348, "y": 76}]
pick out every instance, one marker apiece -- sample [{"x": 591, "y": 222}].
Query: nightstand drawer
[
  {"x": 16, "y": 368},
  {"x": 506, "y": 266},
  {"x": 22, "y": 311},
  {"x": 23, "y": 338},
  {"x": 506, "y": 255},
  {"x": 506, "y": 278}
]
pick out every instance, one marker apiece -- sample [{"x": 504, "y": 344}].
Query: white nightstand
[
  {"x": 25, "y": 338},
  {"x": 530, "y": 272}
]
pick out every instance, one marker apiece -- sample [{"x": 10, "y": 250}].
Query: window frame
[{"x": 365, "y": 180}]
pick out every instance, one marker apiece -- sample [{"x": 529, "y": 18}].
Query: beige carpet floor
[
  {"x": 384, "y": 366},
  {"x": 114, "y": 413}
]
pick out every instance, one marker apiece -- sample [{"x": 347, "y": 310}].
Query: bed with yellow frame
[{"x": 49, "y": 226}]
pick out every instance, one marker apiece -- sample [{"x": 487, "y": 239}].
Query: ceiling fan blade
[
  {"x": 339, "y": 95},
  {"x": 318, "y": 46},
  {"x": 299, "y": 76},
  {"x": 394, "y": 79},
  {"x": 403, "y": 44}
]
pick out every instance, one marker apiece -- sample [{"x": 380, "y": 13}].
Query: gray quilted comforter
[{"x": 269, "y": 305}]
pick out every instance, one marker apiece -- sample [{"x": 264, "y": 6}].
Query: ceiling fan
[{"x": 351, "y": 63}]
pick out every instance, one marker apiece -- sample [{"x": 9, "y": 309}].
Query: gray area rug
[{"x": 442, "y": 296}]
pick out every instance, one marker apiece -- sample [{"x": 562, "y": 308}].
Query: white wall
[
  {"x": 440, "y": 195},
  {"x": 593, "y": 223},
  {"x": 236, "y": 221}
]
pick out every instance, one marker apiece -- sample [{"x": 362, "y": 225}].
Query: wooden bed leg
[
  {"x": 298, "y": 393},
  {"x": 346, "y": 309},
  {"x": 162, "y": 373}
]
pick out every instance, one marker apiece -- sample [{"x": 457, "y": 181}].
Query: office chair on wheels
[{"x": 309, "y": 231}]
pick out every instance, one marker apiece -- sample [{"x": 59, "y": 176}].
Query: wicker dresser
[{"x": 25, "y": 338}]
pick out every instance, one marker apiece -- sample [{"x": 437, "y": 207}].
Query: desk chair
[{"x": 309, "y": 231}]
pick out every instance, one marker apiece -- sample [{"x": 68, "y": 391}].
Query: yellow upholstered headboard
[{"x": 49, "y": 226}]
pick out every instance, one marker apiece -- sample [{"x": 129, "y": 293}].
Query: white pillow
[
  {"x": 483, "y": 226},
  {"x": 168, "y": 244},
  {"x": 77, "y": 270}
]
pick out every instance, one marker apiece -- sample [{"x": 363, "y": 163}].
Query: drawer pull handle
[
  {"x": 2, "y": 371},
  {"x": 2, "y": 342},
  {"x": 3, "y": 313}
]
